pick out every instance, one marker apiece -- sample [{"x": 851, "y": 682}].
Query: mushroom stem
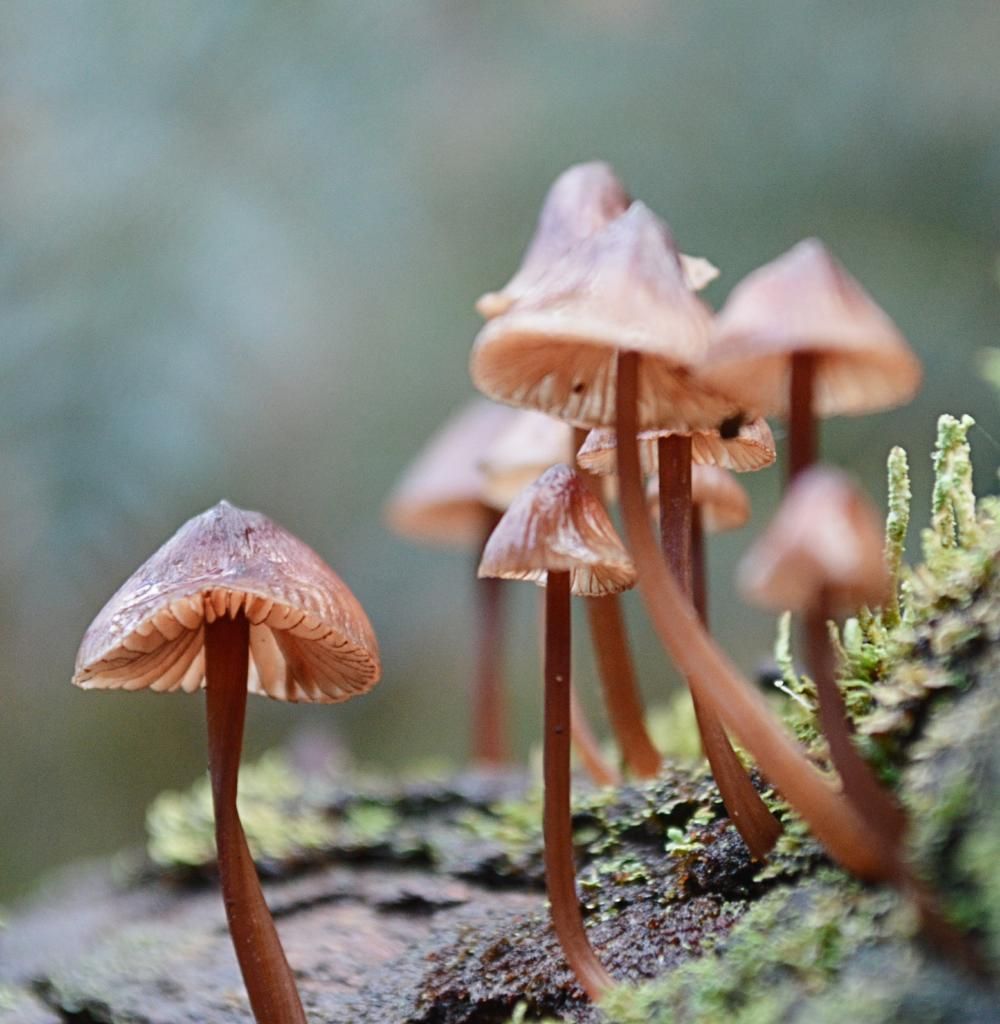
[
  {"x": 801, "y": 418},
  {"x": 585, "y": 744},
  {"x": 699, "y": 567},
  {"x": 270, "y": 984},
  {"x": 489, "y": 735},
  {"x": 560, "y": 872},
  {"x": 616, "y": 669},
  {"x": 861, "y": 786},
  {"x": 716, "y": 682},
  {"x": 755, "y": 823}
]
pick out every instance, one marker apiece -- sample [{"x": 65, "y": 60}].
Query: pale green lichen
[
  {"x": 953, "y": 506},
  {"x": 896, "y": 524}
]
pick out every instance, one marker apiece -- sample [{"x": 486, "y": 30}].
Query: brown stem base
[
  {"x": 560, "y": 872},
  {"x": 270, "y": 984}
]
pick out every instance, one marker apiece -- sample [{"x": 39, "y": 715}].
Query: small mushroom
[
  {"x": 822, "y": 556},
  {"x": 800, "y": 337},
  {"x": 519, "y": 456},
  {"x": 442, "y": 499},
  {"x": 557, "y": 534},
  {"x": 235, "y": 604}
]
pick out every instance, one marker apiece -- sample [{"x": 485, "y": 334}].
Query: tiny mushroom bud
[
  {"x": 822, "y": 556},
  {"x": 800, "y": 337},
  {"x": 234, "y": 603},
  {"x": 557, "y": 534}
]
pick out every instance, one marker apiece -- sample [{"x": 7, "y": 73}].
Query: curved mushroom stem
[
  {"x": 755, "y": 823},
  {"x": 716, "y": 682},
  {"x": 615, "y": 667},
  {"x": 560, "y": 872},
  {"x": 270, "y": 984},
  {"x": 489, "y": 734},
  {"x": 801, "y": 418},
  {"x": 699, "y": 567},
  {"x": 861, "y": 786}
]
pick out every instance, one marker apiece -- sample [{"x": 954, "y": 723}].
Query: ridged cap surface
[
  {"x": 310, "y": 639},
  {"x": 557, "y": 525}
]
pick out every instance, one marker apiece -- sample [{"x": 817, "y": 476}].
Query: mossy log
[{"x": 424, "y": 902}]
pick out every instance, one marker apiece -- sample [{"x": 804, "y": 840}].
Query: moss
[{"x": 280, "y": 826}]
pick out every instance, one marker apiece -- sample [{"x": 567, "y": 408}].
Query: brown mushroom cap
[
  {"x": 804, "y": 301},
  {"x": 521, "y": 453},
  {"x": 556, "y": 349},
  {"x": 716, "y": 495},
  {"x": 557, "y": 525},
  {"x": 440, "y": 497},
  {"x": 310, "y": 639},
  {"x": 824, "y": 548},
  {"x": 581, "y": 201},
  {"x": 752, "y": 448}
]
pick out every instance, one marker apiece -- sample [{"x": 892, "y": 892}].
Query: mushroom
[
  {"x": 621, "y": 295},
  {"x": 822, "y": 556},
  {"x": 557, "y": 534},
  {"x": 800, "y": 337},
  {"x": 234, "y": 603},
  {"x": 720, "y": 504},
  {"x": 441, "y": 499},
  {"x": 581, "y": 201},
  {"x": 526, "y": 449}
]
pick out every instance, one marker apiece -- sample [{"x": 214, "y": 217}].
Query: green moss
[{"x": 279, "y": 824}]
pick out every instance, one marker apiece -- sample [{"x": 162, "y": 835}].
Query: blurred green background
[{"x": 239, "y": 247}]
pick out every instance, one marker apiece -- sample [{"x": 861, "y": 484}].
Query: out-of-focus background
[{"x": 239, "y": 247}]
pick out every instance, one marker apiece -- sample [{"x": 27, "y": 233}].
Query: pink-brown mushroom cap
[
  {"x": 623, "y": 289},
  {"x": 751, "y": 449},
  {"x": 440, "y": 498},
  {"x": 824, "y": 548},
  {"x": 557, "y": 525},
  {"x": 310, "y": 639},
  {"x": 804, "y": 301},
  {"x": 582, "y": 200}
]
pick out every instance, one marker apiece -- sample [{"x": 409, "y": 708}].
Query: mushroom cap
[
  {"x": 310, "y": 639},
  {"x": 823, "y": 549},
  {"x": 717, "y": 496},
  {"x": 752, "y": 448},
  {"x": 804, "y": 301},
  {"x": 557, "y": 525},
  {"x": 581, "y": 201},
  {"x": 440, "y": 497},
  {"x": 521, "y": 453},
  {"x": 622, "y": 289}
]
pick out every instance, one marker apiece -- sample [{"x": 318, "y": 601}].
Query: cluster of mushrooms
[
  {"x": 617, "y": 371},
  {"x": 599, "y": 338}
]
